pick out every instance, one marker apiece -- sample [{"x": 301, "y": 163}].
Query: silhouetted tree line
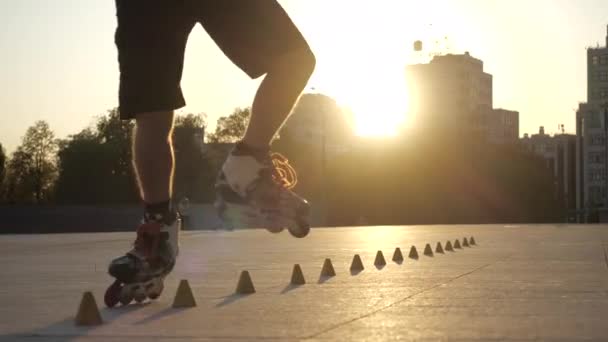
[
  {"x": 93, "y": 167},
  {"x": 428, "y": 180},
  {"x": 413, "y": 180}
]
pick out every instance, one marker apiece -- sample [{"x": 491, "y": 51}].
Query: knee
[
  {"x": 307, "y": 61},
  {"x": 299, "y": 61}
]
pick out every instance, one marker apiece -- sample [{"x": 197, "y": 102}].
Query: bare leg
[
  {"x": 153, "y": 156},
  {"x": 277, "y": 95}
]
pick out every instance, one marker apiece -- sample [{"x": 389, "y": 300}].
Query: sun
[
  {"x": 381, "y": 108},
  {"x": 377, "y": 101}
]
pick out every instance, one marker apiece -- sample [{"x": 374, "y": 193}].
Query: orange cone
[
  {"x": 438, "y": 248},
  {"x": 448, "y": 246},
  {"x": 428, "y": 251},
  {"x": 413, "y": 253},
  {"x": 88, "y": 313},
  {"x": 183, "y": 296},
  {"x": 357, "y": 264},
  {"x": 297, "y": 277},
  {"x": 245, "y": 285},
  {"x": 380, "y": 259},
  {"x": 397, "y": 256},
  {"x": 328, "y": 269}
]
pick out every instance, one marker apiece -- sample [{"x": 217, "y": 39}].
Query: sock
[
  {"x": 158, "y": 212},
  {"x": 243, "y": 149}
]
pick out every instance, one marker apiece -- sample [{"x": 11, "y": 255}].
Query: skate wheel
[
  {"x": 126, "y": 300},
  {"x": 301, "y": 229},
  {"x": 126, "y": 296},
  {"x": 139, "y": 293},
  {"x": 112, "y": 295},
  {"x": 155, "y": 289},
  {"x": 275, "y": 230}
]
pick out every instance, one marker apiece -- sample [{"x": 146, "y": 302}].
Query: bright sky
[{"x": 59, "y": 61}]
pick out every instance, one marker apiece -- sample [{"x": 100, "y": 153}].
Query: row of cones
[{"x": 88, "y": 312}]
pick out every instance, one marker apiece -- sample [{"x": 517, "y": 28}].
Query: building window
[
  {"x": 603, "y": 75},
  {"x": 595, "y": 60},
  {"x": 597, "y": 175},
  {"x": 594, "y": 120},
  {"x": 603, "y": 93},
  {"x": 598, "y": 140},
  {"x": 603, "y": 59},
  {"x": 597, "y": 157},
  {"x": 597, "y": 194}
]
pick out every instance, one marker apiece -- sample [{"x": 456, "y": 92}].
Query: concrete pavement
[{"x": 521, "y": 282}]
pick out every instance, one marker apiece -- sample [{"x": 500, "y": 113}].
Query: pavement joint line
[
  {"x": 338, "y": 325},
  {"x": 605, "y": 256}
]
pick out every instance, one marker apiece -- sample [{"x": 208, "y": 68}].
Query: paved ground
[{"x": 518, "y": 283}]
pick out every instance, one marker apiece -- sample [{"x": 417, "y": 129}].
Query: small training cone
[
  {"x": 379, "y": 261},
  {"x": 88, "y": 313},
  {"x": 245, "y": 285},
  {"x": 297, "y": 277},
  {"x": 465, "y": 242},
  {"x": 397, "y": 256},
  {"x": 457, "y": 244},
  {"x": 183, "y": 296},
  {"x": 448, "y": 246},
  {"x": 472, "y": 241},
  {"x": 438, "y": 248},
  {"x": 413, "y": 253},
  {"x": 328, "y": 269},
  {"x": 357, "y": 264},
  {"x": 428, "y": 251}
]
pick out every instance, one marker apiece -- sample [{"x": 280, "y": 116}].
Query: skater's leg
[
  {"x": 276, "y": 96},
  {"x": 153, "y": 157}
]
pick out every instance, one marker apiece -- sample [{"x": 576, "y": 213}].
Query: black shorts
[{"x": 151, "y": 39}]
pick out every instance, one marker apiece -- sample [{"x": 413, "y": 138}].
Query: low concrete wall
[
  {"x": 22, "y": 219},
  {"x": 68, "y": 219}
]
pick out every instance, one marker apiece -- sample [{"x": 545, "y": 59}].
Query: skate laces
[{"x": 282, "y": 172}]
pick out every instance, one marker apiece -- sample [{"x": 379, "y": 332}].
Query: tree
[
  {"x": 231, "y": 128},
  {"x": 95, "y": 164},
  {"x": 194, "y": 175},
  {"x": 32, "y": 168},
  {"x": 2, "y": 170}
]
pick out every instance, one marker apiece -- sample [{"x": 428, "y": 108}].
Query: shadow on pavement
[
  {"x": 231, "y": 299},
  {"x": 355, "y": 272},
  {"x": 323, "y": 279},
  {"x": 164, "y": 313},
  {"x": 65, "y": 330},
  {"x": 290, "y": 287}
]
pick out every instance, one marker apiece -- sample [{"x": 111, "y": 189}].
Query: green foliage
[
  {"x": 2, "y": 170},
  {"x": 31, "y": 171},
  {"x": 430, "y": 183},
  {"x": 194, "y": 176},
  {"x": 231, "y": 128},
  {"x": 95, "y": 164}
]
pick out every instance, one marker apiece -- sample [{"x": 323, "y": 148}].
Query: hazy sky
[{"x": 59, "y": 61}]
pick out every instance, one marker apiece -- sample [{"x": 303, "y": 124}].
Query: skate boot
[
  {"x": 254, "y": 190},
  {"x": 140, "y": 273}
]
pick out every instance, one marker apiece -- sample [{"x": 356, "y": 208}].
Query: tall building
[
  {"x": 592, "y": 133},
  {"x": 503, "y": 126},
  {"x": 452, "y": 93},
  {"x": 318, "y": 120},
  {"x": 559, "y": 152}
]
